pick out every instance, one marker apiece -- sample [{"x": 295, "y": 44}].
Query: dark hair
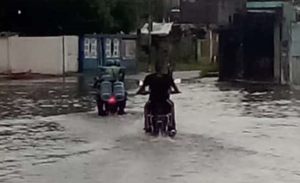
[
  {"x": 158, "y": 67},
  {"x": 109, "y": 63},
  {"x": 117, "y": 63}
]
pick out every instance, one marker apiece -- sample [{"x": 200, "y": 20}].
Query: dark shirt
[{"x": 159, "y": 86}]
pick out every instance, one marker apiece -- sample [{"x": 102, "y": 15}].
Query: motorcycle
[{"x": 160, "y": 117}]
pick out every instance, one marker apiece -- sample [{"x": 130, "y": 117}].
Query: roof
[
  {"x": 161, "y": 29},
  {"x": 262, "y": 11},
  {"x": 267, "y": 4}
]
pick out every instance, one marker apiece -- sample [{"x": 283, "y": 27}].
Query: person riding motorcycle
[
  {"x": 111, "y": 71},
  {"x": 160, "y": 86}
]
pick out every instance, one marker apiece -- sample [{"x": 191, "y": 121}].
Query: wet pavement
[{"x": 227, "y": 133}]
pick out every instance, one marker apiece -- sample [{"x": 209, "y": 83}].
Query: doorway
[{"x": 258, "y": 45}]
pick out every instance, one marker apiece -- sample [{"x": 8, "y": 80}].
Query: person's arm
[
  {"x": 170, "y": 72},
  {"x": 97, "y": 80},
  {"x": 174, "y": 86},
  {"x": 142, "y": 89},
  {"x": 122, "y": 72},
  {"x": 95, "y": 83}
]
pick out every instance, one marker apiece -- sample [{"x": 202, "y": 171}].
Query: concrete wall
[
  {"x": 3, "y": 54},
  {"x": 295, "y": 55},
  {"x": 277, "y": 51},
  {"x": 37, "y": 55},
  {"x": 289, "y": 16},
  {"x": 44, "y": 55}
]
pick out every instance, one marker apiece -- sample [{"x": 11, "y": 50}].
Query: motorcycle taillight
[{"x": 112, "y": 100}]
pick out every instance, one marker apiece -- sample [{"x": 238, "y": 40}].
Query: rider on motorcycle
[
  {"x": 160, "y": 86},
  {"x": 111, "y": 71}
]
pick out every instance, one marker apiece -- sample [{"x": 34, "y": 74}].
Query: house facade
[{"x": 259, "y": 46}]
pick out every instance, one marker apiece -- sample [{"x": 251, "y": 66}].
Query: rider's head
[
  {"x": 117, "y": 63},
  {"x": 158, "y": 68},
  {"x": 109, "y": 63}
]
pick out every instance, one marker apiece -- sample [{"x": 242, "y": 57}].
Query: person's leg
[
  {"x": 173, "y": 123},
  {"x": 100, "y": 105},
  {"x": 122, "y": 105},
  {"x": 146, "y": 120}
]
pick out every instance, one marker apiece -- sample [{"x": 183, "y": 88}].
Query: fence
[{"x": 44, "y": 55}]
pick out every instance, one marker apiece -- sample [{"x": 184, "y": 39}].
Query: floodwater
[
  {"x": 227, "y": 133},
  {"x": 25, "y": 100}
]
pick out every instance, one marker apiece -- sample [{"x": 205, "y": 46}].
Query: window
[
  {"x": 93, "y": 50},
  {"x": 87, "y": 48},
  {"x": 108, "y": 48},
  {"x": 116, "y": 48},
  {"x": 90, "y": 48},
  {"x": 129, "y": 49}
]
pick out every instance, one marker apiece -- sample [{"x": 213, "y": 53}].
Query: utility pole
[{"x": 150, "y": 24}]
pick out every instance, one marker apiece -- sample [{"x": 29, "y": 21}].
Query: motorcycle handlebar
[
  {"x": 148, "y": 92},
  {"x": 175, "y": 92}
]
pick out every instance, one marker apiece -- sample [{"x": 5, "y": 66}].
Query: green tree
[{"x": 53, "y": 17}]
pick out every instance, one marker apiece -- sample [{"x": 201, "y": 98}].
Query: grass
[{"x": 207, "y": 69}]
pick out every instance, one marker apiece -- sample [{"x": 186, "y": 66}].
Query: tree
[{"x": 54, "y": 17}]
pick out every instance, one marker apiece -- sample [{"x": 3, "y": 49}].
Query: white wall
[
  {"x": 42, "y": 55},
  {"x": 3, "y": 55},
  {"x": 38, "y": 55}
]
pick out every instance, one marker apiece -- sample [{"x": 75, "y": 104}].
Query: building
[
  {"x": 96, "y": 49},
  {"x": 258, "y": 47},
  {"x": 217, "y": 12}
]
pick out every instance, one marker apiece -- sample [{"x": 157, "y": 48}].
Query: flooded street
[{"x": 226, "y": 133}]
